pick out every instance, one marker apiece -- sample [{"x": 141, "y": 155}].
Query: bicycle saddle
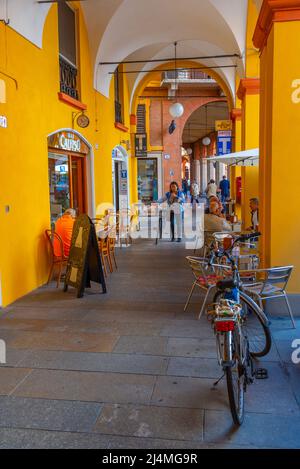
[{"x": 225, "y": 284}]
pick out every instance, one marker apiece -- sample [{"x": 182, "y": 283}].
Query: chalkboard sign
[{"x": 84, "y": 263}]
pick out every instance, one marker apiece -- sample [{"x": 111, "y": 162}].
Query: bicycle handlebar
[
  {"x": 226, "y": 252},
  {"x": 246, "y": 237}
]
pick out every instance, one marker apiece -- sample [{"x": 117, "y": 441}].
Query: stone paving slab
[
  {"x": 45, "y": 312},
  {"x": 194, "y": 367},
  {"x": 10, "y": 378},
  {"x": 273, "y": 395},
  {"x": 105, "y": 362},
  {"x": 48, "y": 414},
  {"x": 131, "y": 316},
  {"x": 142, "y": 345},
  {"x": 121, "y": 442},
  {"x": 193, "y": 329},
  {"x": 258, "y": 430},
  {"x": 14, "y": 438},
  {"x": 285, "y": 350},
  {"x": 294, "y": 380},
  {"x": 190, "y": 347},
  {"x": 88, "y": 386},
  {"x": 190, "y": 393},
  {"x": 14, "y": 357},
  {"x": 99, "y": 324},
  {"x": 61, "y": 341},
  {"x": 151, "y": 422}
]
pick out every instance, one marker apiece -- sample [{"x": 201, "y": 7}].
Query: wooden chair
[
  {"x": 103, "y": 243},
  {"x": 112, "y": 236},
  {"x": 59, "y": 261}
]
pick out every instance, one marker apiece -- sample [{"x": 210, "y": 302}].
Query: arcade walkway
[{"x": 131, "y": 370}]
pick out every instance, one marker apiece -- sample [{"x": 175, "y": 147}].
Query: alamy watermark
[
  {"x": 2, "y": 352},
  {"x": 157, "y": 221},
  {"x": 296, "y": 93},
  {"x": 296, "y": 352}
]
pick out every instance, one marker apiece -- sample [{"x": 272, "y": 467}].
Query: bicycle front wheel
[
  {"x": 235, "y": 378},
  {"x": 255, "y": 325}
]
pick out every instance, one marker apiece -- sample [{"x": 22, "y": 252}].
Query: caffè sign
[{"x": 68, "y": 141}]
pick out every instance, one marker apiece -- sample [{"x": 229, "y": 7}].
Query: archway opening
[{"x": 202, "y": 137}]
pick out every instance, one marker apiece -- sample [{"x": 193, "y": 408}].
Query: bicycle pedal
[{"x": 261, "y": 373}]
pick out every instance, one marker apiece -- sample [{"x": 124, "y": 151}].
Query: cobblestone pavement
[{"x": 130, "y": 369}]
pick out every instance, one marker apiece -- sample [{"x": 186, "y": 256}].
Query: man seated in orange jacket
[{"x": 64, "y": 228}]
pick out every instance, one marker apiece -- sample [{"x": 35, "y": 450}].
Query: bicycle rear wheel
[
  {"x": 255, "y": 325},
  {"x": 235, "y": 378}
]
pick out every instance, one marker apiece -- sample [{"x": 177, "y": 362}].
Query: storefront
[
  {"x": 68, "y": 166},
  {"x": 149, "y": 178}
]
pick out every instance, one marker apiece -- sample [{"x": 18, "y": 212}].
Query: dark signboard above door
[{"x": 141, "y": 145}]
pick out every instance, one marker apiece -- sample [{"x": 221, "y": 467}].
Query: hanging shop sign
[
  {"x": 141, "y": 145},
  {"x": 224, "y": 133},
  {"x": 224, "y": 145},
  {"x": 3, "y": 122},
  {"x": 68, "y": 141},
  {"x": 223, "y": 125},
  {"x": 123, "y": 182}
]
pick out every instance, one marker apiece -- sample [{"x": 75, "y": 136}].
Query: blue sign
[
  {"x": 224, "y": 145},
  {"x": 124, "y": 174}
]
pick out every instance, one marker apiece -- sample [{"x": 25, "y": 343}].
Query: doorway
[
  {"x": 120, "y": 178},
  {"x": 66, "y": 183}
]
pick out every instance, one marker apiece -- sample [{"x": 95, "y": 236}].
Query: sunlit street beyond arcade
[{"x": 149, "y": 259}]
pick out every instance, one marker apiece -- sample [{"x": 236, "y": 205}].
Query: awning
[{"x": 240, "y": 158}]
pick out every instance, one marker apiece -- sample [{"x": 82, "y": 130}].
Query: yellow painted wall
[
  {"x": 33, "y": 112},
  {"x": 279, "y": 148},
  {"x": 250, "y": 119}
]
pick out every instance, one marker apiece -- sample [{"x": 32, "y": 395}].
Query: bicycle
[{"x": 232, "y": 310}]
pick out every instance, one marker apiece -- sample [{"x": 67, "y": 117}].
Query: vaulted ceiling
[{"x": 121, "y": 30}]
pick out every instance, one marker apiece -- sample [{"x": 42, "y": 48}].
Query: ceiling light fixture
[
  {"x": 206, "y": 140},
  {"x": 176, "y": 109}
]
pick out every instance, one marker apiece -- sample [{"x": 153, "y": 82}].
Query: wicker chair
[{"x": 56, "y": 261}]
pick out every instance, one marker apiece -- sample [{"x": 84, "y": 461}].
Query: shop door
[
  {"x": 66, "y": 183},
  {"x": 77, "y": 184}
]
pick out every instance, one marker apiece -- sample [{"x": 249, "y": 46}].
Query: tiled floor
[{"x": 130, "y": 369}]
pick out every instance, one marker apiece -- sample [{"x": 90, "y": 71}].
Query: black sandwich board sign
[{"x": 84, "y": 263}]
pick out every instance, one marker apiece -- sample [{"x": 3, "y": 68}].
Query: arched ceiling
[
  {"x": 145, "y": 29},
  {"x": 140, "y": 29}
]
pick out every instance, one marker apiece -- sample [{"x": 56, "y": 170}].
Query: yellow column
[
  {"x": 235, "y": 171},
  {"x": 249, "y": 94},
  {"x": 277, "y": 36}
]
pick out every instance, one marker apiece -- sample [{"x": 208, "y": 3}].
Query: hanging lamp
[
  {"x": 206, "y": 140},
  {"x": 176, "y": 110}
]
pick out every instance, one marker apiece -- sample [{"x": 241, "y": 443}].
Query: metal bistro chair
[
  {"x": 206, "y": 278},
  {"x": 269, "y": 284},
  {"x": 57, "y": 261}
]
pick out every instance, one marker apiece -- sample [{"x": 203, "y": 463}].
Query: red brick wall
[
  {"x": 172, "y": 143},
  {"x": 155, "y": 122}
]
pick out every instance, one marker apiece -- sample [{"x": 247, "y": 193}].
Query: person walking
[
  {"x": 194, "y": 191},
  {"x": 211, "y": 189},
  {"x": 175, "y": 199},
  {"x": 225, "y": 189}
]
